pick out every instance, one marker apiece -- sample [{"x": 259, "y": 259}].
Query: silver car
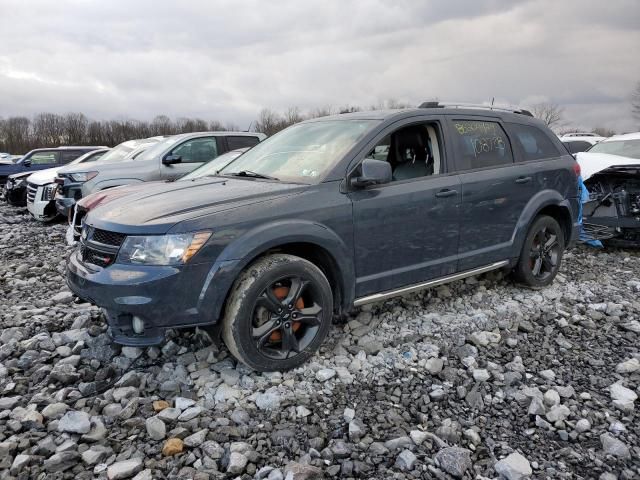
[{"x": 168, "y": 159}]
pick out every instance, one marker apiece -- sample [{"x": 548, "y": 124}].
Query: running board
[{"x": 377, "y": 297}]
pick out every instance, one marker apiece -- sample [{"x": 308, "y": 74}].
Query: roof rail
[{"x": 500, "y": 108}]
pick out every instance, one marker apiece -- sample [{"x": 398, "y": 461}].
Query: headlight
[
  {"x": 82, "y": 176},
  {"x": 20, "y": 182},
  {"x": 162, "y": 249}
]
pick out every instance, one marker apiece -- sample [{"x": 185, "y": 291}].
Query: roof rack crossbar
[{"x": 479, "y": 106}]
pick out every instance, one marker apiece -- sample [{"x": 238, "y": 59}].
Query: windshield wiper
[{"x": 249, "y": 173}]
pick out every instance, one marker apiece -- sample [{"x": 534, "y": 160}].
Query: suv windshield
[
  {"x": 117, "y": 154},
  {"x": 624, "y": 148},
  {"x": 302, "y": 153},
  {"x": 212, "y": 167},
  {"x": 157, "y": 149}
]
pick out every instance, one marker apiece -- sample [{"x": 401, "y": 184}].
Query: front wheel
[
  {"x": 278, "y": 313},
  {"x": 541, "y": 254}
]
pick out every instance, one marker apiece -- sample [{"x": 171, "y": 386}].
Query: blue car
[{"x": 42, "y": 158}]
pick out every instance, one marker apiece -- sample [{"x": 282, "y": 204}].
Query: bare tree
[
  {"x": 635, "y": 102},
  {"x": 292, "y": 115},
  {"x": 603, "y": 131},
  {"x": 550, "y": 113},
  {"x": 268, "y": 122},
  {"x": 75, "y": 128},
  {"x": 162, "y": 125}
]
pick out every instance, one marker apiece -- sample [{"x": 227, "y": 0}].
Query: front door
[
  {"x": 193, "y": 153},
  {"x": 406, "y": 231}
]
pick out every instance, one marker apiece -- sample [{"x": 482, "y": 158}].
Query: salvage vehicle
[
  {"x": 119, "y": 153},
  {"x": 611, "y": 174},
  {"x": 580, "y": 143},
  {"x": 313, "y": 222},
  {"x": 82, "y": 206},
  {"x": 167, "y": 160},
  {"x": 41, "y": 188},
  {"x": 42, "y": 158}
]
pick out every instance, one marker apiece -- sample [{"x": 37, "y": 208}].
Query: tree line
[{"x": 20, "y": 134}]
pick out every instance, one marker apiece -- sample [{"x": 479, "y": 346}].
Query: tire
[
  {"x": 266, "y": 325},
  {"x": 538, "y": 265}
]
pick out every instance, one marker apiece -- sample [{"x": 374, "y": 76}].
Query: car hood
[
  {"x": 592, "y": 163},
  {"x": 95, "y": 167},
  {"x": 158, "y": 206},
  {"x": 43, "y": 177},
  {"x": 104, "y": 196}
]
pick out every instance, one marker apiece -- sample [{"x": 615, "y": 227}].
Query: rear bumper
[{"x": 162, "y": 296}]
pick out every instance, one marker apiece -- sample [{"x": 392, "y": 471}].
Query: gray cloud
[{"x": 228, "y": 59}]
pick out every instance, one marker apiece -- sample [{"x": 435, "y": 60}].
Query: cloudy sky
[{"x": 225, "y": 60}]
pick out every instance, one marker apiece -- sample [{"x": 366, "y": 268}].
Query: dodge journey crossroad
[{"x": 327, "y": 215}]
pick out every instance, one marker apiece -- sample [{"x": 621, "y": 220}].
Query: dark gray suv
[{"x": 326, "y": 215}]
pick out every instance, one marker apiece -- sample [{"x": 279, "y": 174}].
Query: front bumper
[
  {"x": 16, "y": 196},
  {"x": 64, "y": 205},
  {"x": 39, "y": 202},
  {"x": 162, "y": 296}
]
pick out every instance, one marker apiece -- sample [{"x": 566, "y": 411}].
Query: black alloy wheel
[
  {"x": 278, "y": 313},
  {"x": 541, "y": 253}
]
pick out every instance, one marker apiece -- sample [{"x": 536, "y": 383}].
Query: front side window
[
  {"x": 302, "y": 153},
  {"x": 412, "y": 151},
  {"x": 480, "y": 144},
  {"x": 44, "y": 158},
  {"x": 624, "y": 148},
  {"x": 532, "y": 142},
  {"x": 242, "y": 142},
  {"x": 196, "y": 150}
]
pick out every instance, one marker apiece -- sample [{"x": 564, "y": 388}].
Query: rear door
[
  {"x": 495, "y": 189},
  {"x": 193, "y": 153},
  {"x": 406, "y": 231}
]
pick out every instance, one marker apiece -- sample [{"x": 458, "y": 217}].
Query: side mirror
[
  {"x": 372, "y": 172},
  {"x": 171, "y": 159},
  {"x": 27, "y": 162}
]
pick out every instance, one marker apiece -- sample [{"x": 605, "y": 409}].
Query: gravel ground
[{"x": 477, "y": 379}]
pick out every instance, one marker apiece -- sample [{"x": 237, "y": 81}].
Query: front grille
[
  {"x": 32, "y": 190},
  {"x": 107, "y": 238},
  {"x": 95, "y": 257}
]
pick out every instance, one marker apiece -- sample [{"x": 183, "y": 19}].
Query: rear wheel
[
  {"x": 541, "y": 254},
  {"x": 278, "y": 313}
]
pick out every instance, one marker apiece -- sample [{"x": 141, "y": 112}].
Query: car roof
[
  {"x": 393, "y": 114},
  {"x": 592, "y": 140},
  {"x": 624, "y": 136},
  {"x": 219, "y": 133}
]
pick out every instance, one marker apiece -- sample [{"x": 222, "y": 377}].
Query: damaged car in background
[
  {"x": 611, "y": 174},
  {"x": 85, "y": 204}
]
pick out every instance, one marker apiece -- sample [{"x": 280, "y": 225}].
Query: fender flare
[
  {"x": 247, "y": 247},
  {"x": 539, "y": 201}
]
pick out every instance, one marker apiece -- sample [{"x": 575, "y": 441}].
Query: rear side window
[
  {"x": 241, "y": 142},
  {"x": 578, "y": 146},
  {"x": 70, "y": 155},
  {"x": 532, "y": 143},
  {"x": 44, "y": 158},
  {"x": 480, "y": 144},
  {"x": 197, "y": 150}
]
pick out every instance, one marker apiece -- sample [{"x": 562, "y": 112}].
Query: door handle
[
  {"x": 446, "y": 193},
  {"x": 523, "y": 179}
]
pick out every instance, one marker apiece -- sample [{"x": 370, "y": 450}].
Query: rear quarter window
[
  {"x": 531, "y": 143},
  {"x": 480, "y": 144},
  {"x": 241, "y": 142},
  {"x": 578, "y": 146}
]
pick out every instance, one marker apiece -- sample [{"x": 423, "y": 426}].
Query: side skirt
[{"x": 377, "y": 297}]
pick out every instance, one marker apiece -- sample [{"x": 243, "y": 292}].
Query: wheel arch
[
  {"x": 309, "y": 240},
  {"x": 545, "y": 202}
]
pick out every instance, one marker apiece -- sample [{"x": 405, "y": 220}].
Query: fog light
[{"x": 138, "y": 325}]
